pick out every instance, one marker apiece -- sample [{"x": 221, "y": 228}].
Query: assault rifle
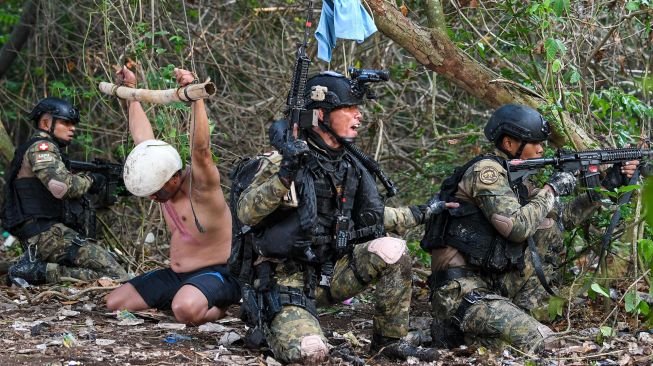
[
  {"x": 585, "y": 162},
  {"x": 80, "y": 214},
  {"x": 112, "y": 172},
  {"x": 295, "y": 104}
]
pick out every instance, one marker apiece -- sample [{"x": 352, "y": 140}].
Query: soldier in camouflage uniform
[
  {"x": 524, "y": 288},
  {"x": 483, "y": 282},
  {"x": 299, "y": 203},
  {"x": 38, "y": 195}
]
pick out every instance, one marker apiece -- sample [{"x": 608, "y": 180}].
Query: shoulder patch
[
  {"x": 43, "y": 157},
  {"x": 489, "y": 175},
  {"x": 44, "y": 146}
]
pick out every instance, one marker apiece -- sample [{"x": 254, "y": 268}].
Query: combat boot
[
  {"x": 32, "y": 271},
  {"x": 397, "y": 348}
]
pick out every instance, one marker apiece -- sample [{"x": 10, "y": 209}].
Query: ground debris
[{"x": 54, "y": 331}]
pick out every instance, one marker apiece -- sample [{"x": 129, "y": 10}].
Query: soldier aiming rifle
[{"x": 44, "y": 203}]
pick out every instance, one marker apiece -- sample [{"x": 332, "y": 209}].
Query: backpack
[{"x": 241, "y": 256}]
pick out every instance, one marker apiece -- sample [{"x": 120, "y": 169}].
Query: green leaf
[
  {"x": 631, "y": 300},
  {"x": 556, "y": 66},
  {"x": 626, "y": 189},
  {"x": 599, "y": 290},
  {"x": 551, "y": 48},
  {"x": 647, "y": 200},
  {"x": 560, "y": 6},
  {"x": 632, "y": 5},
  {"x": 561, "y": 46},
  {"x": 556, "y": 306},
  {"x": 575, "y": 77},
  {"x": 608, "y": 331},
  {"x": 645, "y": 249},
  {"x": 643, "y": 308}
]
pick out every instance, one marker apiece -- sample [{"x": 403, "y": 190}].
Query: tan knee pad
[
  {"x": 388, "y": 248},
  {"x": 313, "y": 349}
]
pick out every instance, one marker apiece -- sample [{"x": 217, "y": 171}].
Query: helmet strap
[
  {"x": 520, "y": 150},
  {"x": 325, "y": 126},
  {"x": 517, "y": 154}
]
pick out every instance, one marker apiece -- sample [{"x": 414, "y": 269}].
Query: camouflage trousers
[
  {"x": 392, "y": 295},
  {"x": 524, "y": 288},
  {"x": 492, "y": 320},
  {"x": 68, "y": 254}
]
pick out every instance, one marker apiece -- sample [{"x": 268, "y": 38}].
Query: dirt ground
[{"x": 69, "y": 325}]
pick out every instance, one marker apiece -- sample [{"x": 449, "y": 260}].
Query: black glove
[
  {"x": 646, "y": 169},
  {"x": 613, "y": 178},
  {"x": 292, "y": 152},
  {"x": 99, "y": 181},
  {"x": 424, "y": 213},
  {"x": 563, "y": 183}
]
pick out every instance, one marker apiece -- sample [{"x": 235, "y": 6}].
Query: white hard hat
[{"x": 149, "y": 166}]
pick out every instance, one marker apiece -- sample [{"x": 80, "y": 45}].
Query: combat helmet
[
  {"x": 57, "y": 107},
  {"x": 519, "y": 121}
]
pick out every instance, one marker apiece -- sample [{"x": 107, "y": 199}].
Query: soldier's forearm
[
  {"x": 398, "y": 220},
  {"x": 78, "y": 187},
  {"x": 258, "y": 202},
  {"x": 530, "y": 216},
  {"x": 139, "y": 125}
]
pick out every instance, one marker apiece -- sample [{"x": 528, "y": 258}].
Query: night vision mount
[{"x": 361, "y": 77}]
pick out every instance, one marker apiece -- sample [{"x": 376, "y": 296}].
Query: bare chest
[{"x": 180, "y": 222}]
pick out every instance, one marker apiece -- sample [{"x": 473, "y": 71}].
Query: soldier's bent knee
[
  {"x": 388, "y": 249},
  {"x": 313, "y": 350}
]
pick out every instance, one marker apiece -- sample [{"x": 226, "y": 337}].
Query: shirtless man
[{"x": 197, "y": 286}]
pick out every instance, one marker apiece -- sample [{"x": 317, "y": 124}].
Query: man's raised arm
[
  {"x": 205, "y": 174},
  {"x": 139, "y": 125}
]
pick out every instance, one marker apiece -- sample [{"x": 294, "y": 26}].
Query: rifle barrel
[{"x": 607, "y": 156}]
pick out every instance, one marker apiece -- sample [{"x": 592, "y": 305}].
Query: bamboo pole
[{"x": 186, "y": 94}]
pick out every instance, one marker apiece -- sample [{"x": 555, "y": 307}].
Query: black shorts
[{"x": 158, "y": 287}]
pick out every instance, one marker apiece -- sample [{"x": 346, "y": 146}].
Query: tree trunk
[
  {"x": 18, "y": 36},
  {"x": 433, "y": 49},
  {"x": 6, "y": 146}
]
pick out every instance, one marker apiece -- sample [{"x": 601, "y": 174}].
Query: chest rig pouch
[
  {"x": 470, "y": 232},
  {"x": 339, "y": 207}
]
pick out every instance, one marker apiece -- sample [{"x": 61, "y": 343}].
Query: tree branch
[
  {"x": 433, "y": 49},
  {"x": 18, "y": 36},
  {"x": 434, "y": 15}
]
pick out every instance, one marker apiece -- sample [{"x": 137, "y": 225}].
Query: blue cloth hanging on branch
[{"x": 345, "y": 19}]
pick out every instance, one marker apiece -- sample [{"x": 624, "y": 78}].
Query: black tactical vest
[
  {"x": 29, "y": 208},
  {"x": 335, "y": 196},
  {"x": 468, "y": 230}
]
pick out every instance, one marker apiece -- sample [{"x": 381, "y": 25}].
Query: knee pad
[
  {"x": 389, "y": 249},
  {"x": 313, "y": 350}
]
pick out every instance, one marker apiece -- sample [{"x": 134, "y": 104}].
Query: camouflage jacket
[
  {"x": 44, "y": 161},
  {"x": 486, "y": 185}
]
